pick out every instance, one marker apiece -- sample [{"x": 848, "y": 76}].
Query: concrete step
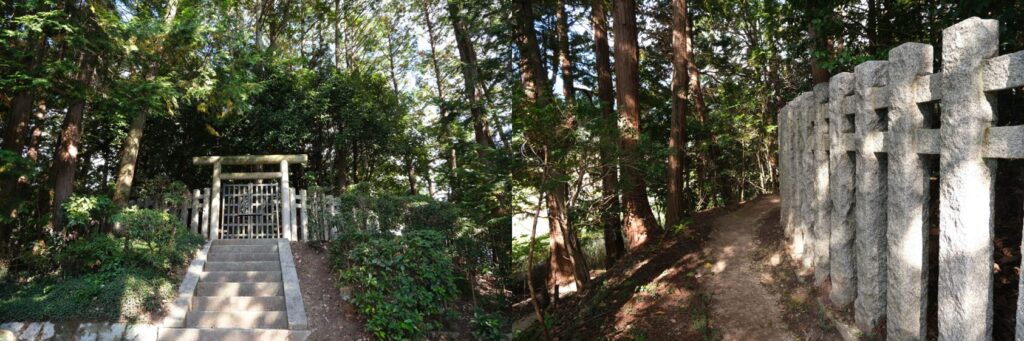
[
  {"x": 244, "y": 266},
  {"x": 240, "y": 276},
  {"x": 242, "y": 303},
  {"x": 231, "y": 334},
  {"x": 243, "y": 248},
  {"x": 242, "y": 256},
  {"x": 245, "y": 242},
  {"x": 231, "y": 289},
  {"x": 237, "y": 319}
]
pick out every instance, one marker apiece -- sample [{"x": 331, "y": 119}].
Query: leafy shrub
[
  {"x": 486, "y": 326},
  {"x": 402, "y": 282},
  {"x": 91, "y": 253},
  {"x": 89, "y": 211},
  {"x": 161, "y": 241}
]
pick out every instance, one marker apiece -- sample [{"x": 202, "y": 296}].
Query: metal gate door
[{"x": 251, "y": 211}]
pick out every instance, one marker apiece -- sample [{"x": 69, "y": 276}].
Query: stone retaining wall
[{"x": 854, "y": 157}]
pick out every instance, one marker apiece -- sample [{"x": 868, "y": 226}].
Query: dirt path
[
  {"x": 742, "y": 308},
  {"x": 330, "y": 317}
]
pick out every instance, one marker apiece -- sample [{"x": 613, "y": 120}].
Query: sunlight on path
[{"x": 742, "y": 309}]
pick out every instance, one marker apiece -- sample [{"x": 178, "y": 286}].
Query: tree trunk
[
  {"x": 21, "y": 106},
  {"x": 65, "y": 162},
  {"x": 562, "y": 30},
  {"x": 677, "y": 133},
  {"x": 470, "y": 75},
  {"x": 438, "y": 78},
  {"x": 535, "y": 83},
  {"x": 610, "y": 216},
  {"x": 129, "y": 156},
  {"x": 638, "y": 219}
]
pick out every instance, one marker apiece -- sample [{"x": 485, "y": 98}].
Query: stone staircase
[{"x": 239, "y": 289}]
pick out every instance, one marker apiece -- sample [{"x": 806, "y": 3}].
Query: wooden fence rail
[{"x": 856, "y": 155}]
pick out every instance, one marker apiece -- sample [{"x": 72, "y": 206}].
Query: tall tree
[
  {"x": 566, "y": 260},
  {"x": 611, "y": 222},
  {"x": 65, "y": 163},
  {"x": 130, "y": 151},
  {"x": 677, "y": 134},
  {"x": 638, "y": 219},
  {"x": 470, "y": 76}
]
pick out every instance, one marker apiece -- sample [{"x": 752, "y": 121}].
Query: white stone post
[
  {"x": 965, "y": 186},
  {"x": 215, "y": 203},
  {"x": 294, "y": 232},
  {"x": 907, "y": 236},
  {"x": 305, "y": 214},
  {"x": 822, "y": 204},
  {"x": 286, "y": 202},
  {"x": 205, "y": 228},
  {"x": 871, "y": 194},
  {"x": 842, "y": 269}
]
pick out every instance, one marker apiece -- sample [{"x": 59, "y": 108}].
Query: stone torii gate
[{"x": 287, "y": 207}]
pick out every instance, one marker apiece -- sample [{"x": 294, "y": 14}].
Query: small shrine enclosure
[{"x": 857, "y": 155}]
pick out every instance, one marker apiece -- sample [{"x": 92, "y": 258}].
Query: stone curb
[
  {"x": 292, "y": 295},
  {"x": 102, "y": 331}
]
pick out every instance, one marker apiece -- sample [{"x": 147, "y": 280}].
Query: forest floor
[
  {"x": 330, "y": 317},
  {"x": 725, "y": 277}
]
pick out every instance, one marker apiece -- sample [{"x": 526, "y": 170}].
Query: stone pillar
[
  {"x": 305, "y": 214},
  {"x": 215, "y": 203},
  {"x": 907, "y": 276},
  {"x": 286, "y": 203},
  {"x": 803, "y": 215},
  {"x": 870, "y": 188},
  {"x": 842, "y": 269},
  {"x": 965, "y": 185},
  {"x": 822, "y": 205}
]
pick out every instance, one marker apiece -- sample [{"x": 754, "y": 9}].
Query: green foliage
[
  {"x": 95, "y": 252},
  {"x": 88, "y": 211},
  {"x": 402, "y": 282},
  {"x": 158, "y": 238},
  {"x": 115, "y": 294},
  {"x": 101, "y": 276},
  {"x": 487, "y": 326}
]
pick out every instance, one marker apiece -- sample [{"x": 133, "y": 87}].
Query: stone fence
[{"x": 855, "y": 158}]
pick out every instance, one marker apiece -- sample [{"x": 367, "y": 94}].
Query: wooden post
[
  {"x": 215, "y": 203},
  {"x": 286, "y": 202},
  {"x": 194, "y": 222},
  {"x": 204, "y": 228},
  {"x": 183, "y": 208},
  {"x": 305, "y": 214}
]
